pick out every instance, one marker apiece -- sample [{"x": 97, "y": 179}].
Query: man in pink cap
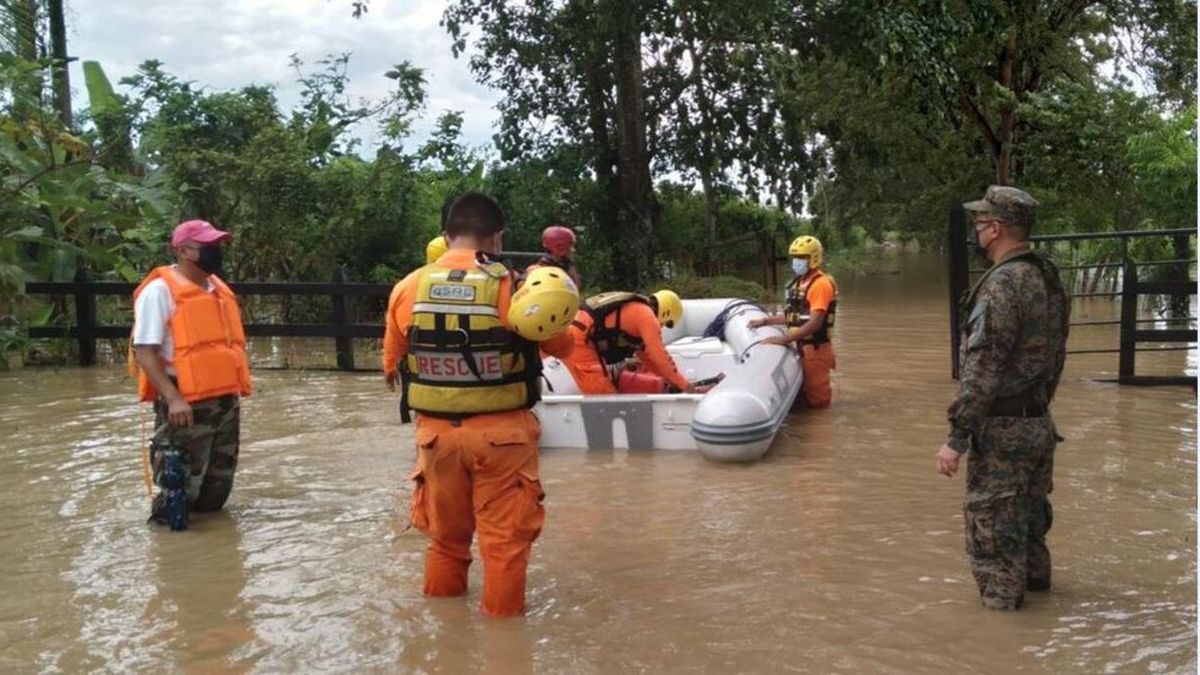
[{"x": 190, "y": 351}]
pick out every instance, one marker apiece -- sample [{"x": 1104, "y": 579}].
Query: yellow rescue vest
[
  {"x": 461, "y": 359},
  {"x": 797, "y": 311}
]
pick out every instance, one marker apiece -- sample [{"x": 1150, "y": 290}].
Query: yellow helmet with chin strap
[
  {"x": 544, "y": 306},
  {"x": 435, "y": 248},
  {"x": 670, "y": 308},
  {"x": 810, "y": 246}
]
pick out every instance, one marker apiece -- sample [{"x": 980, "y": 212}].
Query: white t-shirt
[{"x": 152, "y": 314}]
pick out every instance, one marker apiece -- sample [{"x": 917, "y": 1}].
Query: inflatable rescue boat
[{"x": 735, "y": 421}]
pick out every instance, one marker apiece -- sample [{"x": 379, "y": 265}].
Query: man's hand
[
  {"x": 391, "y": 379},
  {"x": 757, "y": 323},
  {"x": 705, "y": 385},
  {"x": 780, "y": 340},
  {"x": 179, "y": 413},
  {"x": 947, "y": 461}
]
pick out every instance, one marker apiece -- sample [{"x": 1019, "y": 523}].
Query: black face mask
[
  {"x": 211, "y": 258},
  {"x": 973, "y": 239}
]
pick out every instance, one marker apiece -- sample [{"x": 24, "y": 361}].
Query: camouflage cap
[{"x": 1007, "y": 203}]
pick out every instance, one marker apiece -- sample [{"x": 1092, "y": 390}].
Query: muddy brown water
[{"x": 841, "y": 550}]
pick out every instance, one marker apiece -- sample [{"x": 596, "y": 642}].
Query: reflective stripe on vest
[
  {"x": 210, "y": 343},
  {"x": 462, "y": 360},
  {"x": 611, "y": 343},
  {"x": 798, "y": 312}
]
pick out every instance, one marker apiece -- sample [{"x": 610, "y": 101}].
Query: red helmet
[{"x": 558, "y": 240}]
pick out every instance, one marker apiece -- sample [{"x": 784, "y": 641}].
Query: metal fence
[{"x": 1132, "y": 338}]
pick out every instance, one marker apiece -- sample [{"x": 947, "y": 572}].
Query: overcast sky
[{"x": 226, "y": 44}]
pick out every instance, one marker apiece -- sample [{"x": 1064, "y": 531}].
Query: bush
[{"x": 688, "y": 286}]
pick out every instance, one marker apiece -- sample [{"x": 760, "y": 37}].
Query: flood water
[{"x": 842, "y": 550}]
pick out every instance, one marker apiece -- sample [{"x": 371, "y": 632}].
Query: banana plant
[{"x": 68, "y": 199}]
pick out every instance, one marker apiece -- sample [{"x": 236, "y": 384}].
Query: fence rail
[
  {"x": 342, "y": 293},
  {"x": 1131, "y": 291}
]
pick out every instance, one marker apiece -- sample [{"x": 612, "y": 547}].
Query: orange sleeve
[
  {"x": 642, "y": 322},
  {"x": 399, "y": 316},
  {"x": 820, "y": 296}
]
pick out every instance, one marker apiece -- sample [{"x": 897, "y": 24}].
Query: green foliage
[
  {"x": 1163, "y": 162},
  {"x": 292, "y": 188},
  {"x": 112, "y": 119},
  {"x": 689, "y": 286},
  {"x": 681, "y": 139},
  {"x": 63, "y": 207},
  {"x": 743, "y": 227}
]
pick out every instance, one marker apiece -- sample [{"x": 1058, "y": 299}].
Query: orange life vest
[{"x": 210, "y": 344}]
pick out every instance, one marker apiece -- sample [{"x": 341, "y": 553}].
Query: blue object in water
[{"x": 174, "y": 478}]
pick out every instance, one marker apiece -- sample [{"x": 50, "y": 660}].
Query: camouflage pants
[
  {"x": 1007, "y": 508},
  {"x": 209, "y": 449}
]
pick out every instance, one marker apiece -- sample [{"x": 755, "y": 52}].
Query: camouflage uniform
[
  {"x": 1013, "y": 349},
  {"x": 209, "y": 449}
]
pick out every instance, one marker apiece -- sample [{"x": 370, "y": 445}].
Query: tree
[
  {"x": 60, "y": 208},
  {"x": 292, "y": 187},
  {"x": 60, "y": 75},
  {"x": 593, "y": 90},
  {"x": 980, "y": 62}
]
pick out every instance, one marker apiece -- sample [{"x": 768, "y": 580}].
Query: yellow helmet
[
  {"x": 809, "y": 246},
  {"x": 435, "y": 248},
  {"x": 670, "y": 308},
  {"x": 544, "y": 306}
]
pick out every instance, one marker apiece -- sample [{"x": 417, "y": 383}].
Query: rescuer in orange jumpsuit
[
  {"x": 613, "y": 327},
  {"x": 809, "y": 316},
  {"x": 472, "y": 381}
]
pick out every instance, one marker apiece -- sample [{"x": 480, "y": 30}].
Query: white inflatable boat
[{"x": 735, "y": 421}]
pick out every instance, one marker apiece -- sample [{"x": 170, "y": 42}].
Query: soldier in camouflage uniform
[{"x": 1014, "y": 324}]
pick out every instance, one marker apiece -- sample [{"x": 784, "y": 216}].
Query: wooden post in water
[
  {"x": 341, "y": 319},
  {"x": 960, "y": 275},
  {"x": 1129, "y": 300},
  {"x": 1179, "y": 273},
  {"x": 85, "y": 319}
]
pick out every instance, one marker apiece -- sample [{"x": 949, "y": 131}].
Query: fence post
[
  {"x": 1179, "y": 273},
  {"x": 341, "y": 314},
  {"x": 1129, "y": 300},
  {"x": 960, "y": 275},
  {"x": 85, "y": 319}
]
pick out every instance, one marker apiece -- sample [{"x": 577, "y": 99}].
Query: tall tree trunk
[
  {"x": 58, "y": 50},
  {"x": 637, "y": 207},
  {"x": 598, "y": 84},
  {"x": 710, "y": 205},
  {"x": 27, "y": 92},
  {"x": 1008, "y": 116},
  {"x": 1004, "y": 159},
  {"x": 708, "y": 165}
]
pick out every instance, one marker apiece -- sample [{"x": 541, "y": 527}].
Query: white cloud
[{"x": 227, "y": 44}]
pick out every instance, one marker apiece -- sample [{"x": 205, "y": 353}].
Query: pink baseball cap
[{"x": 199, "y": 231}]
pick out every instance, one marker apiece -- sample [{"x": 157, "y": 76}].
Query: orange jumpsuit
[
  {"x": 819, "y": 360},
  {"x": 636, "y": 319},
  {"x": 479, "y": 473}
]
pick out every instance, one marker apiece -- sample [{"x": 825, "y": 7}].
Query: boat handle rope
[{"x": 742, "y": 357}]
